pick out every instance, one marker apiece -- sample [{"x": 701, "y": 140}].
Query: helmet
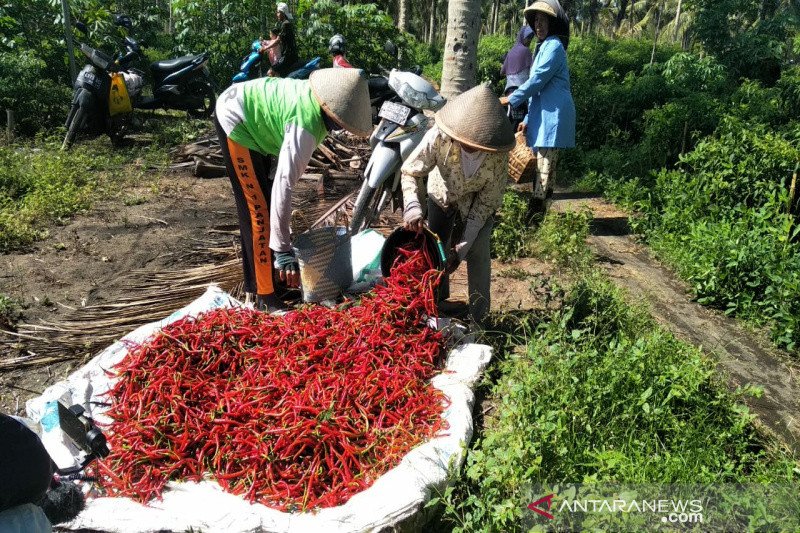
[
  {"x": 337, "y": 44},
  {"x": 123, "y": 21},
  {"x": 390, "y": 48}
]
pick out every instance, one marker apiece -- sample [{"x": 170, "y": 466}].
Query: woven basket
[{"x": 521, "y": 161}]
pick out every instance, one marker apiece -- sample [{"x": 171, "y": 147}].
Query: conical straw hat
[
  {"x": 344, "y": 95},
  {"x": 476, "y": 118},
  {"x": 541, "y": 6}
]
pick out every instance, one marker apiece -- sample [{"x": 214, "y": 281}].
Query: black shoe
[
  {"x": 270, "y": 303},
  {"x": 453, "y": 309}
]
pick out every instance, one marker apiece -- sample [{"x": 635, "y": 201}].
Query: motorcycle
[
  {"x": 30, "y": 465},
  {"x": 401, "y": 128},
  {"x": 250, "y": 68},
  {"x": 183, "y": 83},
  {"x": 103, "y": 94}
]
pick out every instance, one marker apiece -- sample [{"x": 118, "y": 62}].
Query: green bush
[
  {"x": 512, "y": 228},
  {"x": 433, "y": 71},
  {"x": 228, "y": 37},
  {"x": 688, "y": 73},
  {"x": 675, "y": 127},
  {"x": 37, "y": 102},
  {"x": 751, "y": 102},
  {"x": 789, "y": 87},
  {"x": 491, "y": 51},
  {"x": 601, "y": 394},
  {"x": 562, "y": 238},
  {"x": 722, "y": 221},
  {"x": 365, "y": 27}
]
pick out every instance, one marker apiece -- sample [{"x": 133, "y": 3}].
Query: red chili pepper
[{"x": 295, "y": 412}]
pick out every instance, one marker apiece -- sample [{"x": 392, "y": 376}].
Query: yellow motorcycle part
[{"x": 119, "y": 101}]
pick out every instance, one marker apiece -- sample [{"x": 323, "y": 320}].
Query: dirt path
[
  {"x": 85, "y": 262},
  {"x": 743, "y": 357},
  {"x": 94, "y": 259}
]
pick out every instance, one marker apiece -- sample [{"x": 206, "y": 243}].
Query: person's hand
[
  {"x": 412, "y": 217},
  {"x": 453, "y": 261},
  {"x": 288, "y": 268},
  {"x": 523, "y": 128},
  {"x": 455, "y": 257},
  {"x": 504, "y": 100}
]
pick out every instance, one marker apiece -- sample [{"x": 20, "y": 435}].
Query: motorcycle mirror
[
  {"x": 81, "y": 27},
  {"x": 123, "y": 21}
]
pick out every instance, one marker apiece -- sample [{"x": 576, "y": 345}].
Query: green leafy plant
[
  {"x": 562, "y": 238},
  {"x": 9, "y": 312},
  {"x": 512, "y": 228},
  {"x": 598, "y": 394}
]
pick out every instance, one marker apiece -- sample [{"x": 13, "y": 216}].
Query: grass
[
  {"x": 40, "y": 185},
  {"x": 596, "y": 392},
  {"x": 9, "y": 312},
  {"x": 512, "y": 233}
]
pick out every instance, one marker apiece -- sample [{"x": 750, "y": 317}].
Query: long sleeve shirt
[
  {"x": 276, "y": 117},
  {"x": 476, "y": 197},
  {"x": 551, "y": 110}
]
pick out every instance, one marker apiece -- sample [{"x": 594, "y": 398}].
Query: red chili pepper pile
[{"x": 295, "y": 412}]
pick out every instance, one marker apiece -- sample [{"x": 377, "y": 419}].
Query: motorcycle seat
[
  {"x": 170, "y": 65},
  {"x": 378, "y": 86}
]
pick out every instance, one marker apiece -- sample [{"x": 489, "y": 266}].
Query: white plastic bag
[{"x": 395, "y": 500}]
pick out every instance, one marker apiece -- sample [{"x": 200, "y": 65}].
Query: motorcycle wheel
[
  {"x": 369, "y": 204},
  {"x": 365, "y": 196},
  {"x": 206, "y": 92},
  {"x": 73, "y": 127},
  {"x": 118, "y": 127}
]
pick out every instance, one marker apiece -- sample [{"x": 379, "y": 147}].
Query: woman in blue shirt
[{"x": 550, "y": 123}]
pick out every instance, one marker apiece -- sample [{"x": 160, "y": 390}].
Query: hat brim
[
  {"x": 541, "y": 7},
  {"x": 471, "y": 144},
  {"x": 363, "y": 128}
]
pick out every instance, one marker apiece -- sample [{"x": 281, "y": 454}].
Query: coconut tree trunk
[
  {"x": 432, "y": 21},
  {"x": 460, "y": 60},
  {"x": 659, "y": 8},
  {"x": 633, "y": 13},
  {"x": 623, "y": 7},
  {"x": 677, "y": 21},
  {"x": 402, "y": 16}
]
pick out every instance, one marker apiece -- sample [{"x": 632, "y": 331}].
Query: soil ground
[
  {"x": 93, "y": 261},
  {"x": 89, "y": 262},
  {"x": 84, "y": 262}
]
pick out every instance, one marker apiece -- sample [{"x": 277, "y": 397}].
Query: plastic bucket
[
  {"x": 401, "y": 237},
  {"x": 325, "y": 263}
]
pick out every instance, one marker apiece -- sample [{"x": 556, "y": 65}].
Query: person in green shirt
[{"x": 268, "y": 130}]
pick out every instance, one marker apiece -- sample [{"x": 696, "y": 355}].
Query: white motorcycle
[{"x": 403, "y": 125}]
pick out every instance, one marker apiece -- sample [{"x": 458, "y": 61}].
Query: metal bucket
[{"x": 325, "y": 263}]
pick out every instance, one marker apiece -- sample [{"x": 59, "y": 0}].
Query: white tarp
[{"x": 395, "y": 499}]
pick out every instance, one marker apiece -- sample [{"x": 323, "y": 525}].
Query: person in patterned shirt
[{"x": 465, "y": 160}]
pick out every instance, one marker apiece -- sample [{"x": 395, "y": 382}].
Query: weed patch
[
  {"x": 9, "y": 312},
  {"x": 513, "y": 230},
  {"x": 599, "y": 393},
  {"x": 41, "y": 185},
  {"x": 562, "y": 238}
]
